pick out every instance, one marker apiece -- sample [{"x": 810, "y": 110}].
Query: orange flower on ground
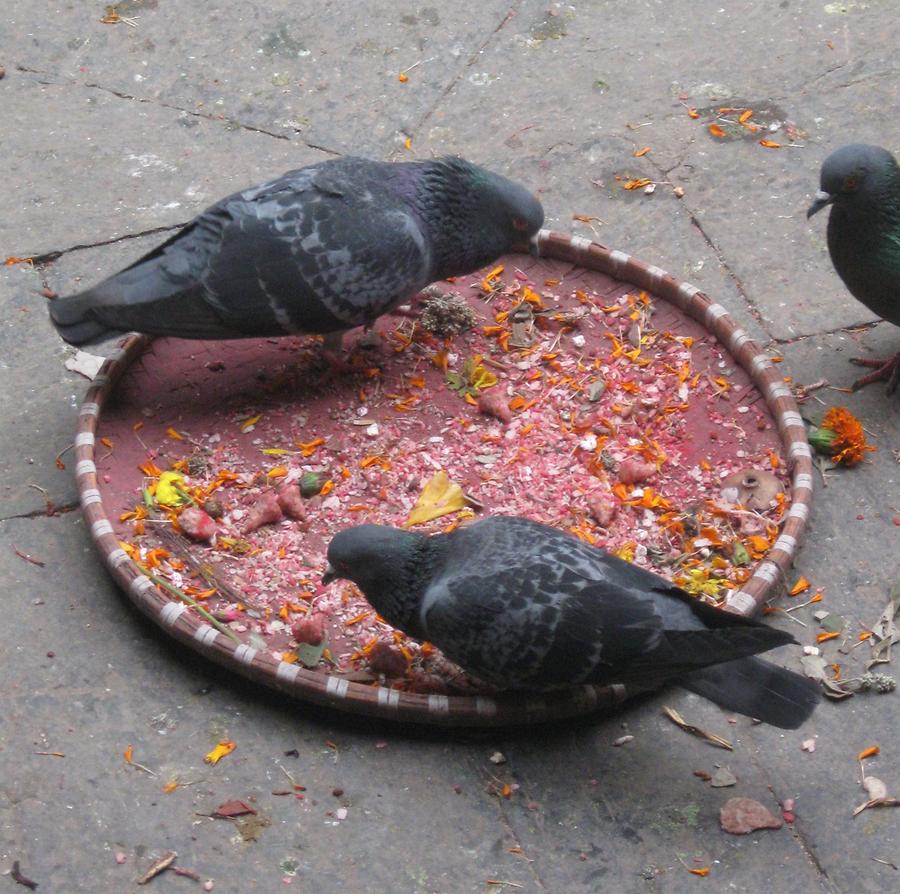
[{"x": 841, "y": 436}]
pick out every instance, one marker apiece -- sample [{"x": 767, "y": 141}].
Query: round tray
[{"x": 173, "y": 616}]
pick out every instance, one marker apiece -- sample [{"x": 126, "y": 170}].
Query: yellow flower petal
[
  {"x": 440, "y": 496},
  {"x": 222, "y": 749},
  {"x": 167, "y": 490}
]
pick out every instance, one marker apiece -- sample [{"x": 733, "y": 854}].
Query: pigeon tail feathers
[
  {"x": 74, "y": 319},
  {"x": 758, "y": 689}
]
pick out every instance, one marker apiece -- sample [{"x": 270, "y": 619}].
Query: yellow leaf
[
  {"x": 128, "y": 754},
  {"x": 222, "y": 749},
  {"x": 249, "y": 423},
  {"x": 770, "y": 144},
  {"x": 716, "y": 131},
  {"x": 168, "y": 489},
  {"x": 277, "y": 451},
  {"x": 482, "y": 378},
  {"x": 868, "y": 752},
  {"x": 440, "y": 496},
  {"x": 174, "y": 435},
  {"x": 169, "y": 787}
]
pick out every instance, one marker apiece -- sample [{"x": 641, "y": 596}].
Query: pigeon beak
[
  {"x": 534, "y": 244},
  {"x": 329, "y": 575},
  {"x": 820, "y": 200}
]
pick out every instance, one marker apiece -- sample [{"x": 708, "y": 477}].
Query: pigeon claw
[{"x": 884, "y": 369}]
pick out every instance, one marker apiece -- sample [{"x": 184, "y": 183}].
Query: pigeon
[
  {"x": 862, "y": 184},
  {"x": 318, "y": 250},
  {"x": 524, "y": 606}
]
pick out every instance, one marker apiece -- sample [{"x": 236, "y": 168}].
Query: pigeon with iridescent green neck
[{"x": 862, "y": 185}]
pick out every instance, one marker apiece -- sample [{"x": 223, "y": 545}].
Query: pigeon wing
[{"x": 301, "y": 254}]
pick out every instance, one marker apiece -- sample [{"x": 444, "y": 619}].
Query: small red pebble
[
  {"x": 457, "y": 789},
  {"x": 263, "y": 512},
  {"x": 121, "y": 858},
  {"x": 215, "y": 365},
  {"x": 788, "y": 816},
  {"x": 197, "y": 524},
  {"x": 603, "y": 508},
  {"x": 338, "y": 792},
  {"x": 634, "y": 470},
  {"x": 494, "y": 403},
  {"x": 860, "y": 517},
  {"x": 51, "y": 654},
  {"x": 291, "y": 502},
  {"x": 310, "y": 630},
  {"x": 385, "y": 659}
]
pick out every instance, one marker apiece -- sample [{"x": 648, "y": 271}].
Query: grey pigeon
[
  {"x": 525, "y": 606},
  {"x": 862, "y": 184},
  {"x": 318, "y": 250}
]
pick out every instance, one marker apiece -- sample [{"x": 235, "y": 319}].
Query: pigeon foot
[{"x": 884, "y": 369}]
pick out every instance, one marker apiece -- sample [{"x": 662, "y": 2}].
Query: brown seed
[{"x": 337, "y": 792}]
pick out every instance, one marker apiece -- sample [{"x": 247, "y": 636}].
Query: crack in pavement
[
  {"x": 804, "y": 336},
  {"x": 49, "y": 257},
  {"x": 752, "y": 306},
  {"x": 796, "y": 830},
  {"x": 473, "y": 56},
  {"x": 219, "y": 119},
  {"x": 51, "y": 510},
  {"x": 508, "y": 827}
]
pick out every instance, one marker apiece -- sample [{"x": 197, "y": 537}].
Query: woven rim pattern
[{"x": 175, "y": 618}]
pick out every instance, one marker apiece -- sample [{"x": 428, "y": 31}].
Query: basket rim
[{"x": 459, "y": 710}]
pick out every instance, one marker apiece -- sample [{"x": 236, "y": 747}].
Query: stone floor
[{"x": 114, "y": 134}]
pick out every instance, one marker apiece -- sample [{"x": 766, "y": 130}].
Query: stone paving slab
[
  {"x": 542, "y": 97},
  {"x": 328, "y": 80},
  {"x": 72, "y": 185},
  {"x": 38, "y": 399}
]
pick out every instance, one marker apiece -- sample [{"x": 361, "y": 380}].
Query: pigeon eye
[
  {"x": 520, "y": 224},
  {"x": 850, "y": 183}
]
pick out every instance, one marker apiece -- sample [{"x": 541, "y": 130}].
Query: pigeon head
[
  {"x": 384, "y": 563},
  {"x": 474, "y": 215},
  {"x": 857, "y": 175}
]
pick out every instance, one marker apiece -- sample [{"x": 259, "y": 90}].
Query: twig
[
  {"x": 713, "y": 739},
  {"x": 16, "y": 875},
  {"x": 180, "y": 594},
  {"x": 28, "y": 558},
  {"x": 163, "y": 863},
  {"x": 893, "y": 866}
]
